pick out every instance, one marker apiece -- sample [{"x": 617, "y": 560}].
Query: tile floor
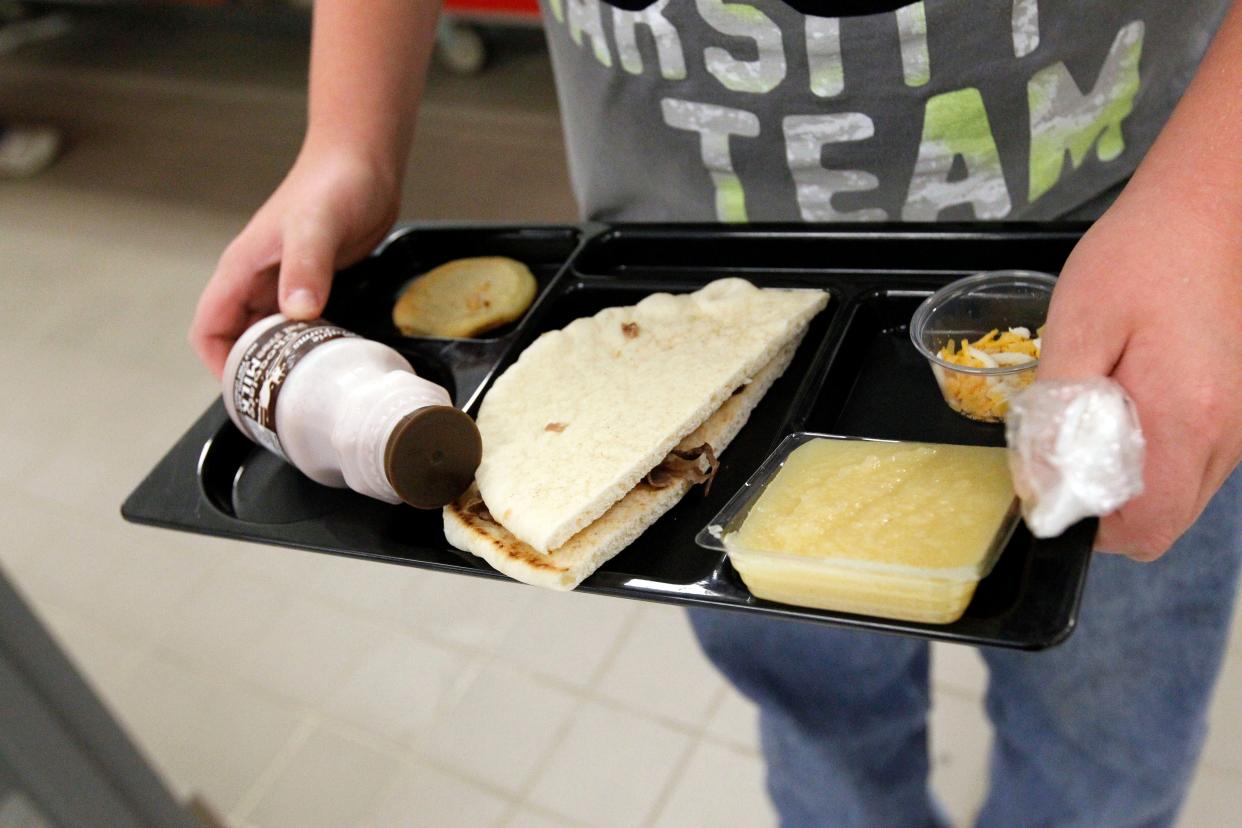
[{"x": 297, "y": 690}]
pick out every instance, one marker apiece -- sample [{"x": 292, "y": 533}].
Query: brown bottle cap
[{"x": 431, "y": 456}]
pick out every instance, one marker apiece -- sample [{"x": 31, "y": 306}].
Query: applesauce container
[
  {"x": 349, "y": 412},
  {"x": 885, "y": 528}
]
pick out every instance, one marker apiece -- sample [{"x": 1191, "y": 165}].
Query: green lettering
[
  {"x": 956, "y": 124},
  {"x": 1066, "y": 121}
]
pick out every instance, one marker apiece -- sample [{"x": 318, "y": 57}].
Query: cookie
[{"x": 465, "y": 297}]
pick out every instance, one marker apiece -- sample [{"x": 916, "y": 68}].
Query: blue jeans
[{"x": 1101, "y": 732}]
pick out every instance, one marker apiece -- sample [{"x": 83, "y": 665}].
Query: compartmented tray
[{"x": 856, "y": 374}]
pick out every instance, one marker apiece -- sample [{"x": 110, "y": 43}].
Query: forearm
[
  {"x": 368, "y": 66},
  {"x": 1196, "y": 163}
]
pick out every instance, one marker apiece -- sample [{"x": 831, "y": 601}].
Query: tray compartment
[
  {"x": 440, "y": 365},
  {"x": 878, "y": 385},
  {"x": 459, "y": 366},
  {"x": 363, "y": 295},
  {"x": 944, "y": 248},
  {"x": 246, "y": 483}
]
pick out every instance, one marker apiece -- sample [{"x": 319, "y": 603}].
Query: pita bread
[
  {"x": 587, "y": 411},
  {"x": 473, "y": 530}
]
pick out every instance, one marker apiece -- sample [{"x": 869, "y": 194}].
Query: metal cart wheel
[{"x": 461, "y": 48}]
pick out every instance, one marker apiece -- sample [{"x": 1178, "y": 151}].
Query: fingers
[
  {"x": 306, "y": 267},
  {"x": 1148, "y": 526},
  {"x": 241, "y": 289},
  {"x": 1078, "y": 341},
  {"x": 246, "y": 286},
  {"x": 1140, "y": 530},
  {"x": 1176, "y": 464},
  {"x": 1085, "y": 336}
]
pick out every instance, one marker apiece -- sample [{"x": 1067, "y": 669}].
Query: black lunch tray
[{"x": 855, "y": 374}]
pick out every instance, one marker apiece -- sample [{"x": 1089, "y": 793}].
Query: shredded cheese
[{"x": 980, "y": 396}]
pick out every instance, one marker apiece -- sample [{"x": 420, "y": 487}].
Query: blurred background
[{"x": 269, "y": 687}]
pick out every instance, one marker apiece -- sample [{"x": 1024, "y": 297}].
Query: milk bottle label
[{"x": 263, "y": 369}]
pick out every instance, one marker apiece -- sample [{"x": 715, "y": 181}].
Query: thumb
[
  {"x": 306, "y": 267},
  {"x": 1084, "y": 336}
]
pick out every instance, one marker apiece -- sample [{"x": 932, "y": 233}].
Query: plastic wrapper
[{"x": 1075, "y": 449}]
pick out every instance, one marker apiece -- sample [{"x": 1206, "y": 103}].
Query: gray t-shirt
[{"x": 707, "y": 110}]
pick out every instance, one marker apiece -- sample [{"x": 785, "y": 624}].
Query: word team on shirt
[{"x": 957, "y": 161}]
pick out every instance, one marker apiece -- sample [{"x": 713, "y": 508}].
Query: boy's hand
[
  {"x": 1152, "y": 296},
  {"x": 330, "y": 211}
]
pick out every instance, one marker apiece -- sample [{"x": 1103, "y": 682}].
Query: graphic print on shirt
[
  {"x": 740, "y": 111},
  {"x": 805, "y": 137},
  {"x": 956, "y": 127},
  {"x": 715, "y": 124},
  {"x": 1065, "y": 119},
  {"x": 823, "y": 56},
  {"x": 669, "y": 55}
]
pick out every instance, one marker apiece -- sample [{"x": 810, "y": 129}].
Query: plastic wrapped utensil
[{"x": 1075, "y": 450}]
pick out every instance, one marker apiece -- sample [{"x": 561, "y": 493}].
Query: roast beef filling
[
  {"x": 685, "y": 465},
  {"x": 476, "y": 507}
]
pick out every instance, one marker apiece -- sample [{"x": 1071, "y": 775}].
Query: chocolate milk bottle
[{"x": 349, "y": 412}]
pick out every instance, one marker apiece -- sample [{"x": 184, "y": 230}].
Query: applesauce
[{"x": 900, "y": 530}]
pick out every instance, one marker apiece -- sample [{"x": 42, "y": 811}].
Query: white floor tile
[
  {"x": 310, "y": 651},
  {"x": 959, "y": 669},
  {"x": 111, "y": 574},
  {"x": 209, "y": 735},
  {"x": 720, "y": 786},
  {"x": 375, "y": 589},
  {"x": 1224, "y": 742},
  {"x": 296, "y": 569},
  {"x": 58, "y": 576},
  {"x": 502, "y": 728},
  {"x": 611, "y": 768},
  {"x": 218, "y": 625},
  {"x": 423, "y": 797},
  {"x": 331, "y": 781},
  {"x": 92, "y": 438},
  {"x": 661, "y": 671},
  {"x": 206, "y": 552},
  {"x": 67, "y": 420},
  {"x": 472, "y": 612},
  {"x": 26, "y": 523},
  {"x": 1235, "y": 636},
  {"x": 85, "y": 469},
  {"x": 399, "y": 687},
  {"x": 961, "y": 738},
  {"x": 527, "y": 818},
  {"x": 735, "y": 720},
  {"x": 104, "y": 658},
  {"x": 567, "y": 636},
  {"x": 1212, "y": 801},
  {"x": 33, "y": 304}
]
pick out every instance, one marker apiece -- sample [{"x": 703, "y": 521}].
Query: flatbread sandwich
[{"x": 601, "y": 427}]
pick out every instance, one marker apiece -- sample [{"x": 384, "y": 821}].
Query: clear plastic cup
[{"x": 968, "y": 309}]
